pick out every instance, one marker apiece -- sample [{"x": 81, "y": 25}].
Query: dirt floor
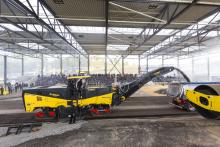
[{"x": 149, "y": 129}]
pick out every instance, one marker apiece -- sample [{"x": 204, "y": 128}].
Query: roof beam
[
  {"x": 138, "y": 12},
  {"x": 32, "y": 13},
  {"x": 158, "y": 29},
  {"x": 60, "y": 20},
  {"x": 21, "y": 48},
  {"x": 207, "y": 2},
  {"x": 109, "y": 20},
  {"x": 24, "y": 27},
  {"x": 203, "y": 30},
  {"x": 199, "y": 41}
]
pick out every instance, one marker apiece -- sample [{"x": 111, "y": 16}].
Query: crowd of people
[
  {"x": 108, "y": 79},
  {"x": 50, "y": 80},
  {"x": 96, "y": 79},
  {"x": 11, "y": 88}
]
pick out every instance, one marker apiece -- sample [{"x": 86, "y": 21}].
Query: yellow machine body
[
  {"x": 33, "y": 101},
  {"x": 207, "y": 102}
]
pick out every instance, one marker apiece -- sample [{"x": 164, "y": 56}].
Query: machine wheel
[
  {"x": 45, "y": 113},
  {"x": 206, "y": 113}
]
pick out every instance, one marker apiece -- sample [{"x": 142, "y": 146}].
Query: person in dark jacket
[
  {"x": 79, "y": 87},
  {"x": 1, "y": 90}
]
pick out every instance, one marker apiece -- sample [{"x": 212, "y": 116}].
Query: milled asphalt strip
[
  {"x": 10, "y": 98},
  {"x": 11, "y": 111},
  {"x": 141, "y": 107}
]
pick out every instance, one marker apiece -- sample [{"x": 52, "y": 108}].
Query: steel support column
[
  {"x": 88, "y": 64},
  {"x": 178, "y": 62},
  {"x": 79, "y": 64},
  {"x": 193, "y": 67},
  {"x": 42, "y": 65},
  {"x": 61, "y": 64},
  {"x": 22, "y": 65},
  {"x": 208, "y": 69},
  {"x": 139, "y": 64},
  {"x": 123, "y": 67},
  {"x": 5, "y": 70},
  {"x": 147, "y": 68},
  {"x": 106, "y": 32}
]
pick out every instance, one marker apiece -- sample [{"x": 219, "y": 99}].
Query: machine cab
[{"x": 77, "y": 86}]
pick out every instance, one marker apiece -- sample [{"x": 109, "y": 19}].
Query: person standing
[
  {"x": 79, "y": 87},
  {"x": 9, "y": 88},
  {"x": 1, "y": 90}
]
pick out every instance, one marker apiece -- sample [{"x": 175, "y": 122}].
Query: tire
[{"x": 204, "y": 112}]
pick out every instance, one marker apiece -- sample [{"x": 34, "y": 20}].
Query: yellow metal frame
[
  {"x": 213, "y": 100},
  {"x": 33, "y": 101}
]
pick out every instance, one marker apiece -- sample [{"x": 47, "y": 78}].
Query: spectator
[
  {"x": 1, "y": 90},
  {"x": 96, "y": 79},
  {"x": 9, "y": 88}
]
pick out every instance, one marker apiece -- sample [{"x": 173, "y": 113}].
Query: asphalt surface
[
  {"x": 11, "y": 96},
  {"x": 9, "y": 105}
]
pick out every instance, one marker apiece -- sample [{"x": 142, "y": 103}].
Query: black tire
[{"x": 206, "y": 113}]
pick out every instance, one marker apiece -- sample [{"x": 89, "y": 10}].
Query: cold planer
[
  {"x": 206, "y": 100},
  {"x": 60, "y": 101}
]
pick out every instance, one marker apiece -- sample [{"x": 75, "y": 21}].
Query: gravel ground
[{"x": 48, "y": 129}]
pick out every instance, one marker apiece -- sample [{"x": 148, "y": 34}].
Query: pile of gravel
[{"x": 47, "y": 129}]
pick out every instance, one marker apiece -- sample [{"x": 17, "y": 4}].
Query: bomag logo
[
  {"x": 39, "y": 98},
  {"x": 54, "y": 94},
  {"x": 106, "y": 96}
]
